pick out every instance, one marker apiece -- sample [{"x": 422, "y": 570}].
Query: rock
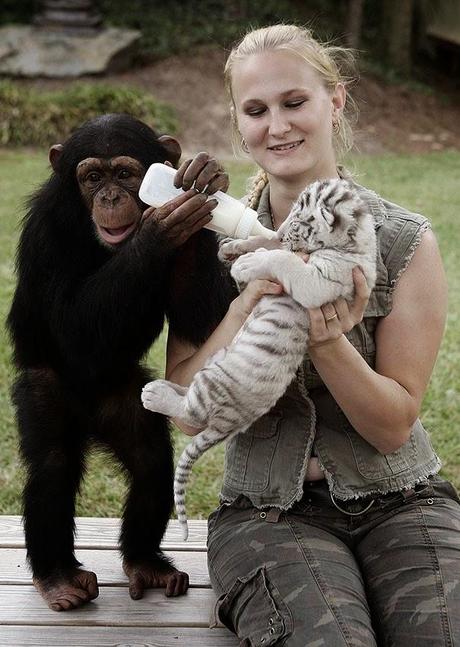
[
  {"x": 32, "y": 51},
  {"x": 421, "y": 137}
]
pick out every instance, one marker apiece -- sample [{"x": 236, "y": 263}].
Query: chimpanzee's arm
[
  {"x": 105, "y": 321},
  {"x": 111, "y": 317},
  {"x": 85, "y": 311},
  {"x": 200, "y": 290}
]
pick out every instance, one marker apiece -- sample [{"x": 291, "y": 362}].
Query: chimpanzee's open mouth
[{"x": 113, "y": 236}]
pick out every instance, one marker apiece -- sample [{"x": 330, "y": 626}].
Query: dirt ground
[{"x": 392, "y": 117}]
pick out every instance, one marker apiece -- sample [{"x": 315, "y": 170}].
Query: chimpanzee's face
[{"x": 109, "y": 188}]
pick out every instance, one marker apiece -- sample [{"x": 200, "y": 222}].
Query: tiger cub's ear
[
  {"x": 331, "y": 218},
  {"x": 351, "y": 231}
]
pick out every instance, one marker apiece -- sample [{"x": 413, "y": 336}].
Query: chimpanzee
[{"x": 97, "y": 274}]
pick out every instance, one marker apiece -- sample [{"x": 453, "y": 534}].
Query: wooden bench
[{"x": 112, "y": 619}]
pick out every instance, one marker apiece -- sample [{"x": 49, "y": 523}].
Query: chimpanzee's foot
[
  {"x": 154, "y": 574},
  {"x": 68, "y": 590}
]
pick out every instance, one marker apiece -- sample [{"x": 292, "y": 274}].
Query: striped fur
[{"x": 245, "y": 380}]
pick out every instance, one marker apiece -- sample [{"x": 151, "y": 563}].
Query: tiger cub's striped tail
[{"x": 189, "y": 456}]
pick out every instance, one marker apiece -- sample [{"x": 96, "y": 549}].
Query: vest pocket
[
  {"x": 373, "y": 465},
  {"x": 260, "y": 441}
]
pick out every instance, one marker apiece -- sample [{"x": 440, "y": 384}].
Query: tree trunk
[
  {"x": 354, "y": 22},
  {"x": 397, "y": 31}
]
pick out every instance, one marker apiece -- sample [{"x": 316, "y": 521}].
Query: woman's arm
[
  {"x": 184, "y": 360},
  {"x": 383, "y": 404}
]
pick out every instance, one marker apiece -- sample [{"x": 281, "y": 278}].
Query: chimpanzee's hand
[
  {"x": 202, "y": 172},
  {"x": 175, "y": 221}
]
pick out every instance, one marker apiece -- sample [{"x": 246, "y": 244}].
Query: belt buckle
[{"x": 347, "y": 512}]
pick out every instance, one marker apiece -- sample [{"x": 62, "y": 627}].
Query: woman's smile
[{"x": 286, "y": 148}]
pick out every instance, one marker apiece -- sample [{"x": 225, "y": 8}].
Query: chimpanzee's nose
[{"x": 110, "y": 198}]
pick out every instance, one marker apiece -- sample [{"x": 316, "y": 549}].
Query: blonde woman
[{"x": 334, "y": 528}]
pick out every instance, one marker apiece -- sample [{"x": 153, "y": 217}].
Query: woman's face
[{"x": 285, "y": 114}]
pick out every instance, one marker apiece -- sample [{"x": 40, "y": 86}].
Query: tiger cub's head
[{"x": 327, "y": 213}]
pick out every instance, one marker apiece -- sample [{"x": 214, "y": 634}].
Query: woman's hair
[{"x": 333, "y": 64}]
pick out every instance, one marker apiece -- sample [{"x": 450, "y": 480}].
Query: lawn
[{"x": 426, "y": 183}]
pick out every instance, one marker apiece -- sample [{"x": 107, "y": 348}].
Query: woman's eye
[
  {"x": 295, "y": 104},
  {"x": 255, "y": 112}
]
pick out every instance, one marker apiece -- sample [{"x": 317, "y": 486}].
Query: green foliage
[
  {"x": 171, "y": 27},
  {"x": 168, "y": 28},
  {"x": 29, "y": 117},
  {"x": 403, "y": 179},
  {"x": 12, "y": 11}
]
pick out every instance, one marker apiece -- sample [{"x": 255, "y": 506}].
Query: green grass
[{"x": 426, "y": 183}]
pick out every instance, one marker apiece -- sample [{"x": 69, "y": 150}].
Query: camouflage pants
[{"x": 315, "y": 576}]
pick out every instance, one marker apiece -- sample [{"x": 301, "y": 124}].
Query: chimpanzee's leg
[
  {"x": 52, "y": 443},
  {"x": 141, "y": 441}
]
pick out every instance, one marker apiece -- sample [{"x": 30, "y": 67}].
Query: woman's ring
[{"x": 334, "y": 316}]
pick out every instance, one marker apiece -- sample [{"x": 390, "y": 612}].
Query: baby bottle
[{"x": 230, "y": 217}]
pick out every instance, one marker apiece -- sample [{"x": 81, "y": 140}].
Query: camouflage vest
[{"x": 268, "y": 462}]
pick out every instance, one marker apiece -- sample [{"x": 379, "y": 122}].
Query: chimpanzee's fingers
[
  {"x": 162, "y": 213},
  {"x": 220, "y": 182},
  {"x": 136, "y": 587},
  {"x": 180, "y": 173},
  {"x": 180, "y": 222},
  {"x": 187, "y": 213},
  {"x": 177, "y": 585},
  {"x": 184, "y": 234},
  {"x": 194, "y": 170},
  {"x": 182, "y": 230},
  {"x": 207, "y": 174},
  {"x": 199, "y": 224}
]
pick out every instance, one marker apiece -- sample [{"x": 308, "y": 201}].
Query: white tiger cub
[{"x": 245, "y": 380}]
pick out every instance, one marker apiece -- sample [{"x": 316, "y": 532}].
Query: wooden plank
[
  {"x": 112, "y": 619},
  {"x": 105, "y": 563},
  {"x": 110, "y": 637},
  {"x": 21, "y": 605},
  {"x": 102, "y": 532}
]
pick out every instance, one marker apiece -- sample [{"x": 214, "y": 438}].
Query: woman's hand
[
  {"x": 202, "y": 172},
  {"x": 328, "y": 323},
  {"x": 244, "y": 303}
]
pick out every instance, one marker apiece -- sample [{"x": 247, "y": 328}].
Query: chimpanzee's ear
[
  {"x": 54, "y": 155},
  {"x": 172, "y": 147}
]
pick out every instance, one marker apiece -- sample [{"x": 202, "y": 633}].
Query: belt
[{"x": 349, "y": 507}]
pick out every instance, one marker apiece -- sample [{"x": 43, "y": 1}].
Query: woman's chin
[{"x": 289, "y": 167}]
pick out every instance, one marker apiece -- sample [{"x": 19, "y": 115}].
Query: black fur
[{"x": 82, "y": 318}]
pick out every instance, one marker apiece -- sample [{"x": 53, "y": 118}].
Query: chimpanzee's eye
[
  {"x": 124, "y": 174},
  {"x": 93, "y": 177}
]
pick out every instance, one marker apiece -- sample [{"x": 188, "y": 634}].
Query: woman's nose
[{"x": 279, "y": 124}]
